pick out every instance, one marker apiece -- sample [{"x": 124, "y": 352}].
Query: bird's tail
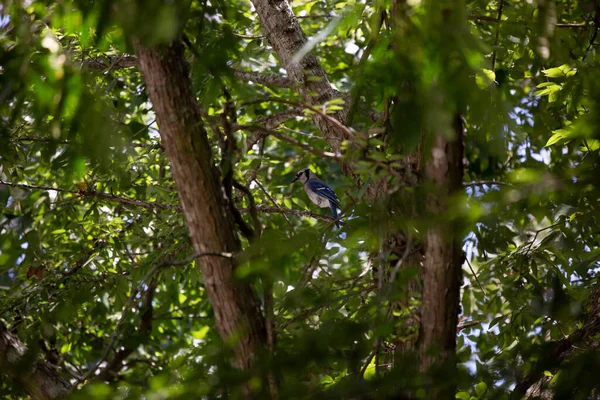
[{"x": 334, "y": 214}]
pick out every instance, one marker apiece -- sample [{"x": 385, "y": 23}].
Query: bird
[{"x": 319, "y": 192}]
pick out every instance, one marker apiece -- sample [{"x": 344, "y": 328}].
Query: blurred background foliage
[{"x": 89, "y": 206}]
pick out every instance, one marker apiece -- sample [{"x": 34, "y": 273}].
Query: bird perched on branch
[{"x": 319, "y": 192}]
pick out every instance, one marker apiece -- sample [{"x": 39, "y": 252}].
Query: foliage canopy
[{"x": 98, "y": 275}]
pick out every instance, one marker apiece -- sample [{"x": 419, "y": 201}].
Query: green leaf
[
  {"x": 200, "y": 333},
  {"x": 480, "y": 389},
  {"x": 558, "y": 136},
  {"x": 486, "y": 78},
  {"x": 463, "y": 395},
  {"x": 560, "y": 72}
]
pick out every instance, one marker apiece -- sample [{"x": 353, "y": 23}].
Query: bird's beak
[{"x": 295, "y": 179}]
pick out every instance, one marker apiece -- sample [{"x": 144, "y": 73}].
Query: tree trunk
[
  {"x": 442, "y": 264},
  {"x": 40, "y": 379},
  {"x": 236, "y": 307}
]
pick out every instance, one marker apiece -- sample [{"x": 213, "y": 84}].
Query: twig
[
  {"x": 251, "y": 37},
  {"x": 269, "y": 132},
  {"x": 595, "y": 34},
  {"x": 134, "y": 293},
  {"x": 114, "y": 63},
  {"x": 497, "y": 21},
  {"x": 475, "y": 276},
  {"x": 368, "y": 362},
  {"x": 331, "y": 119},
  {"x": 401, "y": 261},
  {"x": 271, "y": 335},
  {"x": 253, "y": 212},
  {"x": 354, "y": 100},
  {"x": 500, "y": 8},
  {"x": 537, "y": 233},
  {"x": 312, "y": 310},
  {"x": 298, "y": 213},
  {"x": 273, "y": 201},
  {"x": 488, "y": 183},
  {"x": 467, "y": 325},
  {"x": 94, "y": 193},
  {"x": 271, "y": 122}
]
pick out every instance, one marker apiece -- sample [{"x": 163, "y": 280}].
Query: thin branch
[
  {"x": 368, "y": 362},
  {"x": 322, "y": 113},
  {"x": 134, "y": 293},
  {"x": 271, "y": 334},
  {"x": 326, "y": 16},
  {"x": 595, "y": 34},
  {"x": 488, "y": 183},
  {"x": 269, "y": 132},
  {"x": 94, "y": 193},
  {"x": 250, "y": 37},
  {"x": 496, "y": 39},
  {"x": 264, "y": 79},
  {"x": 271, "y": 122},
  {"x": 475, "y": 276},
  {"x": 273, "y": 201},
  {"x": 537, "y": 232},
  {"x": 497, "y": 21},
  {"x": 109, "y": 63},
  {"x": 96, "y": 245},
  {"x": 467, "y": 325},
  {"x": 355, "y": 98},
  {"x": 39, "y": 139},
  {"x": 401, "y": 261},
  {"x": 289, "y": 211},
  {"x": 252, "y": 203},
  {"x": 312, "y": 310}
]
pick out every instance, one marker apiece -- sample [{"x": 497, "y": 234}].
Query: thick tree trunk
[
  {"x": 236, "y": 307},
  {"x": 442, "y": 264},
  {"x": 40, "y": 379}
]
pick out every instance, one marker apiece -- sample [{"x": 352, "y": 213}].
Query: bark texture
[
  {"x": 205, "y": 206},
  {"x": 41, "y": 380},
  {"x": 443, "y": 259}
]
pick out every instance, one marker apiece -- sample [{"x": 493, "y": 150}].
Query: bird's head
[{"x": 303, "y": 175}]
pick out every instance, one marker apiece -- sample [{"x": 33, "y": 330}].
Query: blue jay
[{"x": 319, "y": 192}]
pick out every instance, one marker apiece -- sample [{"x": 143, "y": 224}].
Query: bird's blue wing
[{"x": 323, "y": 190}]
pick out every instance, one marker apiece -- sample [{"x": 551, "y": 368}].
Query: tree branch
[
  {"x": 109, "y": 63},
  {"x": 268, "y": 132},
  {"x": 94, "y": 193},
  {"x": 264, "y": 79},
  {"x": 272, "y": 122},
  {"x": 40, "y": 379},
  {"x": 525, "y": 23},
  {"x": 289, "y": 211},
  {"x": 499, "y": 18},
  {"x": 133, "y": 295}
]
